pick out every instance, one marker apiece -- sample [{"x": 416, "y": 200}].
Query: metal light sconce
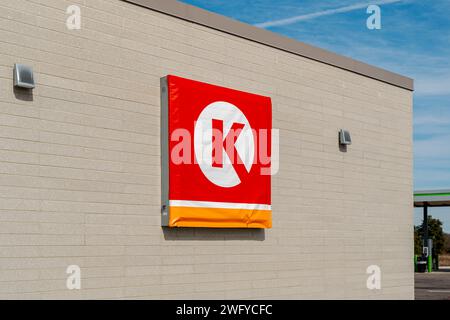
[
  {"x": 23, "y": 76},
  {"x": 344, "y": 137}
]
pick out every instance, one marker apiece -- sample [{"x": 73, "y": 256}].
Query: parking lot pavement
[{"x": 433, "y": 286}]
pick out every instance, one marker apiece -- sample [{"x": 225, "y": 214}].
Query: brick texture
[{"x": 80, "y": 169}]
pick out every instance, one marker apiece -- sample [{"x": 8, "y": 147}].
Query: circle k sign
[
  {"x": 216, "y": 148},
  {"x": 216, "y": 124}
]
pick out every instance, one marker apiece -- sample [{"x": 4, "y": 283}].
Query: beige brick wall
[{"x": 80, "y": 171}]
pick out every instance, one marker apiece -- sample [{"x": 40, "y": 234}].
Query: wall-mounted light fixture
[
  {"x": 344, "y": 137},
  {"x": 23, "y": 76}
]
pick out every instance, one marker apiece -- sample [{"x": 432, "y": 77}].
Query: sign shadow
[{"x": 213, "y": 234}]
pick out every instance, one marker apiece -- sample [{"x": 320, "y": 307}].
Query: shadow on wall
[
  {"x": 342, "y": 148},
  {"x": 213, "y": 234},
  {"x": 23, "y": 94}
]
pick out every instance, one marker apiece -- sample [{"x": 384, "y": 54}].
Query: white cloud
[
  {"x": 435, "y": 85},
  {"x": 436, "y": 145},
  {"x": 426, "y": 120},
  {"x": 432, "y": 158},
  {"x": 309, "y": 16}
]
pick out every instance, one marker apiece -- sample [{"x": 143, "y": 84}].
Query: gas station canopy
[
  {"x": 432, "y": 198},
  {"x": 426, "y": 199}
]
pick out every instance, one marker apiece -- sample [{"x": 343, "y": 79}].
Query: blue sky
[{"x": 414, "y": 41}]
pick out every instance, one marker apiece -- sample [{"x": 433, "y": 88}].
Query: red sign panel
[{"x": 219, "y": 144}]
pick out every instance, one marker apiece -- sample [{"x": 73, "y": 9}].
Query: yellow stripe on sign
[{"x": 219, "y": 218}]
